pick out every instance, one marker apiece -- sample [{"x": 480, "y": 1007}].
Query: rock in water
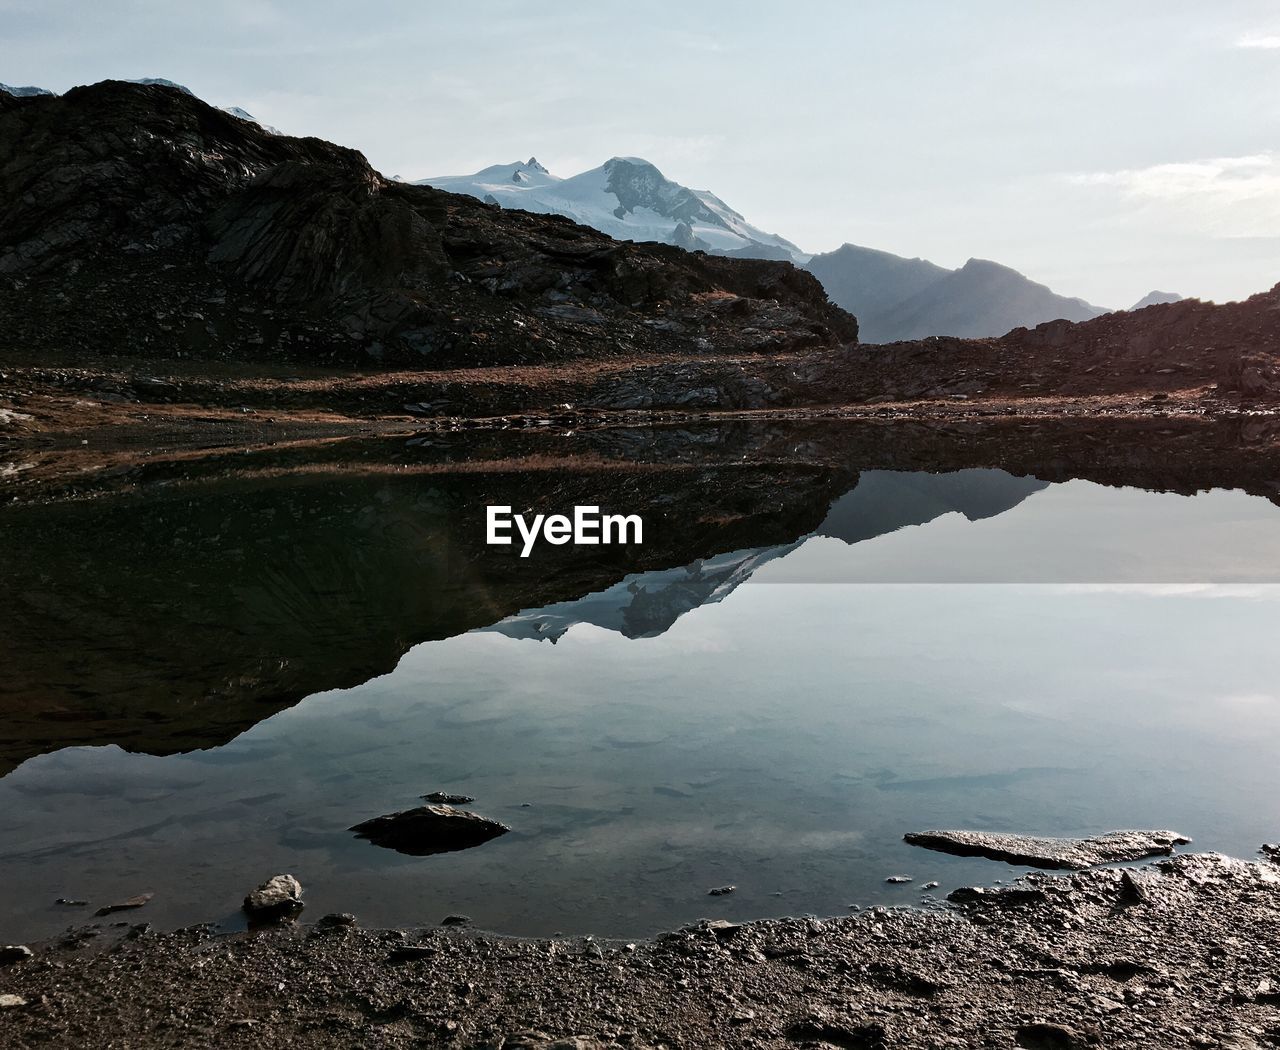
[
  {"x": 1038, "y": 852},
  {"x": 430, "y": 829},
  {"x": 125, "y": 905},
  {"x": 277, "y": 898},
  {"x": 445, "y": 798}
]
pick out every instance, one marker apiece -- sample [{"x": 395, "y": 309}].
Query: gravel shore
[{"x": 1184, "y": 952}]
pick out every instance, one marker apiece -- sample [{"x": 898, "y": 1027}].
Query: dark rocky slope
[{"x": 136, "y": 219}]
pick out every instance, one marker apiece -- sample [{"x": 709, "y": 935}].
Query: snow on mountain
[
  {"x": 629, "y": 199},
  {"x": 644, "y": 604},
  {"x": 244, "y": 114},
  {"x": 24, "y": 92}
]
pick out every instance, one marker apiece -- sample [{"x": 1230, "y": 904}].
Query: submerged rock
[
  {"x": 279, "y": 897},
  {"x": 430, "y": 829},
  {"x": 1044, "y": 852},
  {"x": 125, "y": 905}
]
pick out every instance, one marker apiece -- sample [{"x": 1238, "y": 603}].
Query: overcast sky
[{"x": 1104, "y": 148}]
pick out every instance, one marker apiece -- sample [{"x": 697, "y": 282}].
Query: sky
[{"x": 1105, "y": 149}]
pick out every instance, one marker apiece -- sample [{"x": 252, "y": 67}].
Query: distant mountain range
[
  {"x": 629, "y": 199},
  {"x": 896, "y": 298}
]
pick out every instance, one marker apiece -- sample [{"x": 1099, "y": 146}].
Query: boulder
[
  {"x": 427, "y": 830},
  {"x": 279, "y": 897}
]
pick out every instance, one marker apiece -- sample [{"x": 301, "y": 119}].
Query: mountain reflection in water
[{"x": 183, "y": 605}]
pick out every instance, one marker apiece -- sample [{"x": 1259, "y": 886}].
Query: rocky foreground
[{"x": 1183, "y": 953}]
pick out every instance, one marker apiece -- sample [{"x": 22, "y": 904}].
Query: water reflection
[{"x": 691, "y": 728}]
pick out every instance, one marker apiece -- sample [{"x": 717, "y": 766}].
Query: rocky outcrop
[
  {"x": 1041, "y": 852},
  {"x": 137, "y": 218}
]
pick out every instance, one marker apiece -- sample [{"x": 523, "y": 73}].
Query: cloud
[
  {"x": 1260, "y": 41},
  {"x": 1224, "y": 196}
]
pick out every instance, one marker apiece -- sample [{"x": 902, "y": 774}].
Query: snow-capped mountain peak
[{"x": 628, "y": 198}]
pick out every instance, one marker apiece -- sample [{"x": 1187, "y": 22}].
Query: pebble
[{"x": 8, "y": 1002}]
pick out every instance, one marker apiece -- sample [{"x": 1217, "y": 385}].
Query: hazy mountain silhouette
[
  {"x": 896, "y": 298},
  {"x": 1155, "y": 299}
]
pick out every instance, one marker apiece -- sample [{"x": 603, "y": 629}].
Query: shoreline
[{"x": 1181, "y": 952}]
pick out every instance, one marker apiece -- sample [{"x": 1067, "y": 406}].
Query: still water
[{"x": 966, "y": 649}]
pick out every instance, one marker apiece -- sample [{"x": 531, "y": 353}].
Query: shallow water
[{"x": 958, "y": 649}]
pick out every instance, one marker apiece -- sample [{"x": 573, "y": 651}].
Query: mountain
[
  {"x": 161, "y": 82},
  {"x": 24, "y": 92},
  {"x": 885, "y": 501},
  {"x": 208, "y": 237},
  {"x": 235, "y": 111},
  {"x": 900, "y": 299},
  {"x": 629, "y": 199},
  {"x": 1156, "y": 299},
  {"x": 869, "y": 283},
  {"x": 981, "y": 299}
]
